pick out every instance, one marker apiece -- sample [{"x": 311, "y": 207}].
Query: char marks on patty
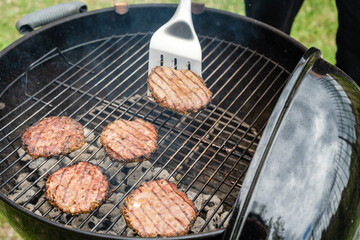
[
  {"x": 129, "y": 141},
  {"x": 179, "y": 90},
  {"x": 53, "y": 136},
  {"x": 77, "y": 189},
  {"x": 157, "y": 208}
]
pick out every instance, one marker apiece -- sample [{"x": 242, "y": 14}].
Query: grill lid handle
[{"x": 47, "y": 15}]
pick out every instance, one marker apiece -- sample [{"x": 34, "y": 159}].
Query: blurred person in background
[{"x": 281, "y": 14}]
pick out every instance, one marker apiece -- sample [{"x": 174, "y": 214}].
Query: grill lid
[{"x": 303, "y": 163}]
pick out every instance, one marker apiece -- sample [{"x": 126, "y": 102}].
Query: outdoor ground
[{"x": 315, "y": 26}]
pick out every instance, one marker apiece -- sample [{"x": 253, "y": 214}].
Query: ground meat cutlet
[
  {"x": 179, "y": 90},
  {"x": 77, "y": 189},
  {"x": 129, "y": 141},
  {"x": 157, "y": 208},
  {"x": 53, "y": 136}
]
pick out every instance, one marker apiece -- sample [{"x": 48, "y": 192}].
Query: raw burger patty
[
  {"x": 53, "y": 136},
  {"x": 77, "y": 189},
  {"x": 157, "y": 208},
  {"x": 179, "y": 90},
  {"x": 129, "y": 141}
]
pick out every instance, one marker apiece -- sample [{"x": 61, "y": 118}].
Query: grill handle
[{"x": 47, "y": 15}]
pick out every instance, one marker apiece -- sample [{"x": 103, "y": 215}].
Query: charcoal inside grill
[
  {"x": 43, "y": 208},
  {"x": 95, "y": 154},
  {"x": 206, "y": 153}
]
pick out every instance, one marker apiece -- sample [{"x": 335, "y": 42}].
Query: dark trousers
[{"x": 281, "y": 13}]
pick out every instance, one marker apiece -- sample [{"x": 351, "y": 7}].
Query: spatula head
[{"x": 179, "y": 50}]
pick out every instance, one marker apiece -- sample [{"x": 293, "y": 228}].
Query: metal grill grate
[{"x": 205, "y": 153}]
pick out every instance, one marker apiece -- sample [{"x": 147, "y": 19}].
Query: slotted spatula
[{"x": 175, "y": 44}]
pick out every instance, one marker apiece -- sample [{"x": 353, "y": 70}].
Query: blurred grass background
[{"x": 314, "y": 26}]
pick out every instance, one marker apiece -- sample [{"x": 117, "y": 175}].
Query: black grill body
[{"x": 93, "y": 67}]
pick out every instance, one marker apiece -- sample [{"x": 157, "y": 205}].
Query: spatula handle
[{"x": 183, "y": 11}]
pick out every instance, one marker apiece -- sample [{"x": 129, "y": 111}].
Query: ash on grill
[{"x": 49, "y": 212}]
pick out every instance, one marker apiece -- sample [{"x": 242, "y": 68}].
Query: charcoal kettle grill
[{"x": 274, "y": 156}]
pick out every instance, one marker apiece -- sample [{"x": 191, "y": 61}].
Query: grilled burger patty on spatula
[{"x": 179, "y": 90}]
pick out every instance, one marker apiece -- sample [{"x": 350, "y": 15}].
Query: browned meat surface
[
  {"x": 129, "y": 141},
  {"x": 157, "y": 208},
  {"x": 179, "y": 90},
  {"x": 77, "y": 189},
  {"x": 53, "y": 136}
]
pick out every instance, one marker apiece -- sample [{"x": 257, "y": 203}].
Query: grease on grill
[
  {"x": 157, "y": 208},
  {"x": 129, "y": 141},
  {"x": 179, "y": 90},
  {"x": 53, "y": 136},
  {"x": 77, "y": 189}
]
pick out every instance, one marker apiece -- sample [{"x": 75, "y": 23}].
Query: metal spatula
[{"x": 175, "y": 44}]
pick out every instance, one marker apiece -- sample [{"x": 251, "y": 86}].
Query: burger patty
[
  {"x": 53, "y": 136},
  {"x": 129, "y": 141},
  {"x": 157, "y": 208},
  {"x": 77, "y": 189},
  {"x": 179, "y": 90}
]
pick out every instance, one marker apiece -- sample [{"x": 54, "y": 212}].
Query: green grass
[
  {"x": 6, "y": 232},
  {"x": 315, "y": 25}
]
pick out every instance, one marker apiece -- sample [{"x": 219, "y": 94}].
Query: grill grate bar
[
  {"x": 223, "y": 86},
  {"x": 47, "y": 94},
  {"x": 197, "y": 114},
  {"x": 145, "y": 173},
  {"x": 187, "y": 133},
  {"x": 92, "y": 131},
  {"x": 59, "y": 103},
  {"x": 47, "y": 114},
  {"x": 235, "y": 183},
  {"x": 116, "y": 188},
  {"x": 46, "y": 58},
  {"x": 49, "y": 84},
  {"x": 89, "y": 133},
  {"x": 113, "y": 90},
  {"x": 33, "y": 65},
  {"x": 84, "y": 221},
  {"x": 19, "y": 136},
  {"x": 227, "y": 174},
  {"x": 95, "y": 140},
  {"x": 197, "y": 136},
  {"x": 107, "y": 84},
  {"x": 233, "y": 132},
  {"x": 91, "y": 214},
  {"x": 208, "y": 152},
  {"x": 137, "y": 182},
  {"x": 84, "y": 126}
]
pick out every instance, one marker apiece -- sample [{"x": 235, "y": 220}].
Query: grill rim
[
  {"x": 134, "y": 6},
  {"x": 210, "y": 234},
  {"x": 96, "y": 235}
]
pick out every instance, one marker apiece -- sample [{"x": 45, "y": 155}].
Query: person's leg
[
  {"x": 277, "y": 13},
  {"x": 348, "y": 38}
]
